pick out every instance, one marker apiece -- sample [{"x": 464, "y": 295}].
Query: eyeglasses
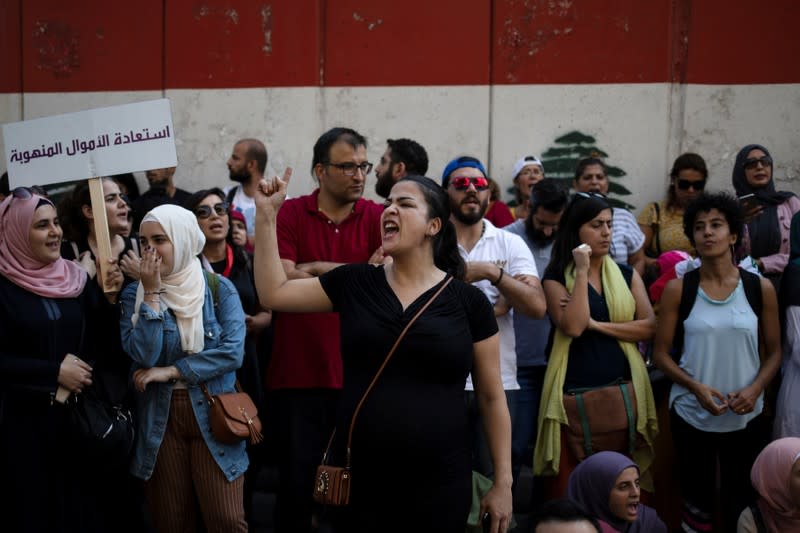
[
  {"x": 350, "y": 169},
  {"x": 204, "y": 211},
  {"x": 462, "y": 183},
  {"x": 751, "y": 163},
  {"x": 685, "y": 185},
  {"x": 23, "y": 193}
]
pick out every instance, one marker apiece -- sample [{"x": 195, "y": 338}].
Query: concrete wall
[{"x": 496, "y": 79}]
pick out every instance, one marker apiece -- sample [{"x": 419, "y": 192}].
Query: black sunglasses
[
  {"x": 751, "y": 163},
  {"x": 204, "y": 211},
  {"x": 685, "y": 185}
]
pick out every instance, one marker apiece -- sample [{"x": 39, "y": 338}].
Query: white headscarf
[{"x": 185, "y": 285}]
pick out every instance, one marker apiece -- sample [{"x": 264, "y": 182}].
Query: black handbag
[{"x": 103, "y": 429}]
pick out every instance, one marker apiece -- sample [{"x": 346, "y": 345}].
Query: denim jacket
[{"x": 155, "y": 341}]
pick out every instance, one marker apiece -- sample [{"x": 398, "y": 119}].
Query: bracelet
[
  {"x": 497, "y": 281},
  {"x": 158, "y": 292}
]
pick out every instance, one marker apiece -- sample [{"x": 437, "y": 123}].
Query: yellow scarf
[{"x": 622, "y": 308}]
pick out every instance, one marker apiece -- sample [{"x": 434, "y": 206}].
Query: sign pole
[{"x": 100, "y": 228}]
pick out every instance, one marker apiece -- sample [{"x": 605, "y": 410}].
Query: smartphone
[{"x": 748, "y": 202}]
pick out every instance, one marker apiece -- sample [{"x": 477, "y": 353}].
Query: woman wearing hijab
[
  {"x": 607, "y": 484},
  {"x": 768, "y": 229},
  {"x": 181, "y": 335},
  {"x": 46, "y": 326},
  {"x": 787, "y": 415},
  {"x": 776, "y": 478}
]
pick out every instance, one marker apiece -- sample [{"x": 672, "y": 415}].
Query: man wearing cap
[
  {"x": 528, "y": 171},
  {"x": 500, "y": 264},
  {"x": 401, "y": 158}
]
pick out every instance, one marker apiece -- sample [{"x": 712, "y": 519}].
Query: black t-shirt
[{"x": 595, "y": 358}]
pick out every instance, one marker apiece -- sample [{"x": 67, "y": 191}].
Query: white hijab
[{"x": 184, "y": 286}]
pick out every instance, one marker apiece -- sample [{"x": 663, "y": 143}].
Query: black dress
[
  {"x": 411, "y": 458},
  {"x": 51, "y": 484}
]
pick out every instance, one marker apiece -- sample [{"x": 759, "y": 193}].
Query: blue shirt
[{"x": 155, "y": 341}]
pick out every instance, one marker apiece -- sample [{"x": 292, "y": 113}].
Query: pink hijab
[
  {"x": 59, "y": 279},
  {"x": 770, "y": 476}
]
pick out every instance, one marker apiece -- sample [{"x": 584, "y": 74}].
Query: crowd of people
[{"x": 419, "y": 343}]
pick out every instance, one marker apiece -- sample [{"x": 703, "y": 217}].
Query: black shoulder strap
[
  {"x": 656, "y": 229},
  {"x": 758, "y": 519},
  {"x": 231, "y": 194},
  {"x": 691, "y": 283},
  {"x": 752, "y": 290}
]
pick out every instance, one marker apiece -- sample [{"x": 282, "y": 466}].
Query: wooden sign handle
[{"x": 100, "y": 228}]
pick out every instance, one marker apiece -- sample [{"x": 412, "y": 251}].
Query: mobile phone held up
[{"x": 748, "y": 202}]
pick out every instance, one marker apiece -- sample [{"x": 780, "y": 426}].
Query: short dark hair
[
  {"x": 411, "y": 153},
  {"x": 722, "y": 202},
  {"x": 687, "y": 161},
  {"x": 548, "y": 194},
  {"x": 194, "y": 200},
  {"x": 587, "y": 161},
  {"x": 562, "y": 510},
  {"x": 256, "y": 151},
  {"x": 322, "y": 147}
]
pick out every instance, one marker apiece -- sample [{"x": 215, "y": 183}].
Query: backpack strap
[
  {"x": 752, "y": 290},
  {"x": 691, "y": 284},
  {"x": 230, "y": 195},
  {"x": 213, "y": 283}
]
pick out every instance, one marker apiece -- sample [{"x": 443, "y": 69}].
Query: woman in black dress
[
  {"x": 410, "y": 451},
  {"x": 48, "y": 330}
]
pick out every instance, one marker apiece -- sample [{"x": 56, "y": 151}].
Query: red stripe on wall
[
  {"x": 94, "y": 45},
  {"x": 10, "y": 49}
]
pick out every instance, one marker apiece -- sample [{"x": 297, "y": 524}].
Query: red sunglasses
[{"x": 462, "y": 183}]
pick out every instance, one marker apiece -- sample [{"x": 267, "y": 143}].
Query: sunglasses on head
[
  {"x": 751, "y": 163},
  {"x": 685, "y": 185},
  {"x": 462, "y": 183},
  {"x": 23, "y": 193},
  {"x": 591, "y": 195},
  {"x": 204, "y": 211}
]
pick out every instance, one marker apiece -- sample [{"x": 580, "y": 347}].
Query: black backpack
[{"x": 691, "y": 283}]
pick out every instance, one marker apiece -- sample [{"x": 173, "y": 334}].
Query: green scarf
[{"x": 622, "y": 308}]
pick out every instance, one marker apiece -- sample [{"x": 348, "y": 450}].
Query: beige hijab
[{"x": 185, "y": 285}]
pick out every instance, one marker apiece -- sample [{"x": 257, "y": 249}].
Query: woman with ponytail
[{"x": 410, "y": 448}]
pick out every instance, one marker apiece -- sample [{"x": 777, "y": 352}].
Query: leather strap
[
  {"x": 631, "y": 422},
  {"x": 211, "y": 398},
  {"x": 379, "y": 372}
]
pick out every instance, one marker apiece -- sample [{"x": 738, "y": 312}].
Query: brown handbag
[
  {"x": 601, "y": 419},
  {"x": 332, "y": 483},
  {"x": 233, "y": 416}
]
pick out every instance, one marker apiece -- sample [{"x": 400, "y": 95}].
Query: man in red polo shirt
[{"x": 331, "y": 226}]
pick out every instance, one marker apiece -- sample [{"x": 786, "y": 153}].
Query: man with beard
[
  {"x": 547, "y": 202},
  {"x": 161, "y": 191},
  {"x": 401, "y": 158},
  {"x": 247, "y": 165},
  {"x": 498, "y": 263},
  {"x": 316, "y": 233}
]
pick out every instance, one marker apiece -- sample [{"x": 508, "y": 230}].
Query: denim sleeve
[
  {"x": 142, "y": 343},
  {"x": 224, "y": 338}
]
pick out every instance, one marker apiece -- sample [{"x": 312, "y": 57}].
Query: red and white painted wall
[{"x": 498, "y": 79}]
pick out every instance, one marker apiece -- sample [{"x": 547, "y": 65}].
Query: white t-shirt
[
  {"x": 245, "y": 205},
  {"x": 510, "y": 252}
]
